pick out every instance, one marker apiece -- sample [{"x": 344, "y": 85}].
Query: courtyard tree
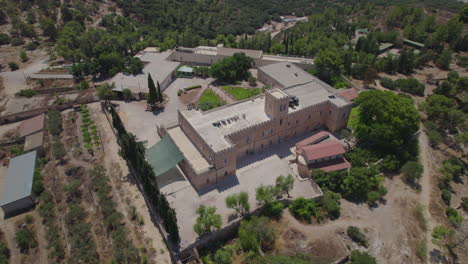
[
  {"x": 238, "y": 202},
  {"x": 412, "y": 170},
  {"x": 265, "y": 194},
  {"x": 303, "y": 209},
  {"x": 284, "y": 184},
  {"x": 160, "y": 96},
  {"x": 207, "y": 220},
  {"x": 233, "y": 68},
  {"x": 153, "y": 93}
]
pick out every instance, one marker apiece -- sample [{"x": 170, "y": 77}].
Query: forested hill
[{"x": 208, "y": 18}]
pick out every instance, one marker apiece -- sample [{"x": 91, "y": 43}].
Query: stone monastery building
[{"x": 212, "y": 141}]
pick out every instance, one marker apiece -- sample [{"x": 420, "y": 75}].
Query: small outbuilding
[
  {"x": 185, "y": 72},
  {"x": 32, "y": 125},
  {"x": 17, "y": 194},
  {"x": 35, "y": 142}
]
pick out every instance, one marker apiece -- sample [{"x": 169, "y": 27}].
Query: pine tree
[
  {"x": 160, "y": 96},
  {"x": 153, "y": 95}
]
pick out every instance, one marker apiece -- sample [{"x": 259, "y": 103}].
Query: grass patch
[
  {"x": 421, "y": 250},
  {"x": 240, "y": 93},
  {"x": 354, "y": 118},
  {"x": 419, "y": 214},
  {"x": 210, "y": 100}
]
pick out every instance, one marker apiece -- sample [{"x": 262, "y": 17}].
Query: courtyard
[{"x": 262, "y": 168}]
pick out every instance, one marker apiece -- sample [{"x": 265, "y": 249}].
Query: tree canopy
[{"x": 232, "y": 68}]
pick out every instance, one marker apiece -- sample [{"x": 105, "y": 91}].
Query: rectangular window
[
  {"x": 263, "y": 133},
  {"x": 248, "y": 139},
  {"x": 225, "y": 161},
  {"x": 271, "y": 131},
  {"x": 297, "y": 122},
  {"x": 289, "y": 123},
  {"x": 320, "y": 113}
]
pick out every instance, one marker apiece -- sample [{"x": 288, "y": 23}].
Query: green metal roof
[
  {"x": 185, "y": 69},
  {"x": 163, "y": 155},
  {"x": 413, "y": 43},
  {"x": 19, "y": 180},
  {"x": 384, "y": 46}
]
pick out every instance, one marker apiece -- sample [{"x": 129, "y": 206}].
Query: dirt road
[
  {"x": 428, "y": 163},
  {"x": 151, "y": 234}
]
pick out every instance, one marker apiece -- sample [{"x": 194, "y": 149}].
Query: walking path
[
  {"x": 426, "y": 188},
  {"x": 220, "y": 92}
]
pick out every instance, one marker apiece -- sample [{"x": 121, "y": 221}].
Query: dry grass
[{"x": 419, "y": 213}]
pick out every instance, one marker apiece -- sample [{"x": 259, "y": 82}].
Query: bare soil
[{"x": 190, "y": 96}]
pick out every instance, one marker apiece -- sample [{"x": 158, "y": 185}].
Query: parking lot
[{"x": 143, "y": 123}]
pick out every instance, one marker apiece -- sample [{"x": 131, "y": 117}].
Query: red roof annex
[
  {"x": 349, "y": 94},
  {"x": 323, "y": 150}
]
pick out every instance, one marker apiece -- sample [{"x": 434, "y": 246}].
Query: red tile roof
[
  {"x": 332, "y": 165},
  {"x": 312, "y": 139},
  {"x": 32, "y": 125},
  {"x": 349, "y": 94},
  {"x": 323, "y": 150}
]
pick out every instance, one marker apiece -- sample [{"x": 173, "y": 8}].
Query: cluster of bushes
[
  {"x": 452, "y": 169},
  {"x": 13, "y": 66},
  {"x": 88, "y": 129},
  {"x": 133, "y": 152},
  {"x": 25, "y": 237},
  {"x": 409, "y": 85},
  {"x": 454, "y": 218},
  {"x": 201, "y": 71},
  {"x": 328, "y": 207},
  {"x": 47, "y": 212},
  {"x": 124, "y": 250},
  {"x": 4, "y": 39},
  {"x": 54, "y": 125},
  {"x": 38, "y": 185},
  {"x": 359, "y": 184},
  {"x": 82, "y": 246},
  {"x": 4, "y": 252},
  {"x": 357, "y": 236}
]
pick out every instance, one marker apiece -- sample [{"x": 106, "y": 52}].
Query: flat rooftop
[
  {"x": 190, "y": 152},
  {"x": 249, "y": 112},
  {"x": 156, "y": 64},
  {"x": 287, "y": 74},
  {"x": 32, "y": 125},
  {"x": 34, "y": 141}
]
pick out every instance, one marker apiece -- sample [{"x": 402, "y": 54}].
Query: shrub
[
  {"x": 23, "y": 56},
  {"x": 387, "y": 83},
  {"x": 54, "y": 122},
  {"x": 180, "y": 92},
  {"x": 454, "y": 218},
  {"x": 464, "y": 203},
  {"x": 358, "y": 257},
  {"x": 412, "y": 170},
  {"x": 58, "y": 150},
  {"x": 83, "y": 85},
  {"x": 13, "y": 66},
  {"x": 304, "y": 209},
  {"x": 25, "y": 239},
  {"x": 27, "y": 93},
  {"x": 31, "y": 46},
  {"x": 4, "y": 253},
  {"x": 16, "y": 41},
  {"x": 446, "y": 196},
  {"x": 411, "y": 86},
  {"x": 4, "y": 39},
  {"x": 192, "y": 87},
  {"x": 357, "y": 236},
  {"x": 331, "y": 204},
  {"x": 274, "y": 209},
  {"x": 256, "y": 232},
  {"x": 421, "y": 250}
]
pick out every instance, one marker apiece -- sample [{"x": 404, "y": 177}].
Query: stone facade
[{"x": 282, "y": 125}]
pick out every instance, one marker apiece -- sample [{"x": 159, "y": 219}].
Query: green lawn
[
  {"x": 240, "y": 93},
  {"x": 353, "y": 118},
  {"x": 209, "y": 100}
]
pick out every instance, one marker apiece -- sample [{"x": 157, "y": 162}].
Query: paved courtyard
[
  {"x": 143, "y": 123},
  {"x": 253, "y": 171}
]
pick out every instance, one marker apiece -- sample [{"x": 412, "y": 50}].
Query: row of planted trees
[{"x": 133, "y": 152}]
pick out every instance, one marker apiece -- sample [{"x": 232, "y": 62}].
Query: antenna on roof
[{"x": 244, "y": 115}]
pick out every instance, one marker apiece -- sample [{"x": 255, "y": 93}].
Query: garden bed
[
  {"x": 210, "y": 100},
  {"x": 240, "y": 93}
]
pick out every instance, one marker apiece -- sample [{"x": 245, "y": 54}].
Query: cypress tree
[
  {"x": 153, "y": 95},
  {"x": 160, "y": 96}
]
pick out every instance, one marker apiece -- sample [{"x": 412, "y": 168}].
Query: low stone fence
[{"x": 15, "y": 117}]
